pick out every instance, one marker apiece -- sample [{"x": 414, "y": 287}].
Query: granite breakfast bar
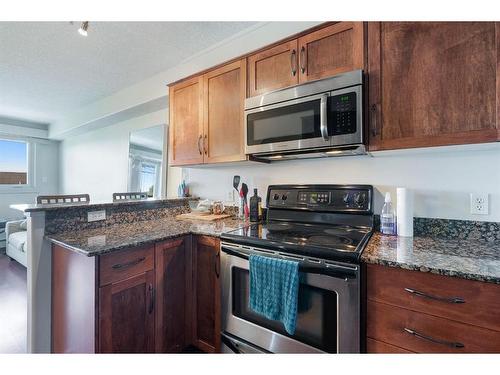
[{"x": 127, "y": 225}]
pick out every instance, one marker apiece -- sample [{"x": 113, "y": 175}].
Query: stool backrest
[
  {"x": 137, "y": 196},
  {"x": 63, "y": 199}
]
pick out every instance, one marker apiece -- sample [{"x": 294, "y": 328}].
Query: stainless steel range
[{"x": 324, "y": 228}]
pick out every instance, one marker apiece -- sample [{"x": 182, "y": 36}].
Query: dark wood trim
[
  {"x": 284, "y": 40},
  {"x": 472, "y": 136}
]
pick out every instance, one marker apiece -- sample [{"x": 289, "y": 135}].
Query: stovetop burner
[{"x": 324, "y": 241}]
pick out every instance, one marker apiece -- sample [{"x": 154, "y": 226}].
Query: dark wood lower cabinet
[
  {"x": 159, "y": 298},
  {"x": 127, "y": 315},
  {"x": 413, "y": 311},
  {"x": 173, "y": 266},
  {"x": 206, "y": 298}
]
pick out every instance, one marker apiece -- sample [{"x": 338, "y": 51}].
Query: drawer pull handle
[
  {"x": 436, "y": 298},
  {"x": 119, "y": 266},
  {"x": 293, "y": 62},
  {"x": 303, "y": 62},
  {"x": 151, "y": 299},
  {"x": 451, "y": 344}
]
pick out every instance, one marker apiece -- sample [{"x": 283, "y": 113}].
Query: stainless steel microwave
[{"x": 315, "y": 119}]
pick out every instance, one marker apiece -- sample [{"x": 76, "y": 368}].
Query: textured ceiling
[{"x": 47, "y": 69}]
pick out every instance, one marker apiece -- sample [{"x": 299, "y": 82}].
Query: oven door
[
  {"x": 328, "y": 311},
  {"x": 294, "y": 124}
]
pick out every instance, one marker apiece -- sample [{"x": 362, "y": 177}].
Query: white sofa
[{"x": 16, "y": 241}]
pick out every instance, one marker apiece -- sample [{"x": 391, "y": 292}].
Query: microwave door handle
[{"x": 323, "y": 123}]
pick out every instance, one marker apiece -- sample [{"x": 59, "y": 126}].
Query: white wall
[
  {"x": 150, "y": 89},
  {"x": 46, "y": 168},
  {"x": 97, "y": 162},
  {"x": 442, "y": 178}
]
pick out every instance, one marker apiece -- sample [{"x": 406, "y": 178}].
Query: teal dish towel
[{"x": 274, "y": 289}]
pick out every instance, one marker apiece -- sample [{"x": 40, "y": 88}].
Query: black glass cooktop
[{"x": 336, "y": 242}]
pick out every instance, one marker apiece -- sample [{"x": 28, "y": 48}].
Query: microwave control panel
[{"x": 342, "y": 116}]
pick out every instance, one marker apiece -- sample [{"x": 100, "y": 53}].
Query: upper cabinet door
[
  {"x": 186, "y": 122},
  {"x": 272, "y": 69},
  {"x": 332, "y": 50},
  {"x": 432, "y": 83},
  {"x": 224, "y": 96}
]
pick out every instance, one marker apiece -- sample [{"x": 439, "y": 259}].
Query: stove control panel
[{"x": 339, "y": 198}]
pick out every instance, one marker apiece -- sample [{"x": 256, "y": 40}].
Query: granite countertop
[
  {"x": 96, "y": 205},
  {"x": 91, "y": 242},
  {"x": 464, "y": 258}
]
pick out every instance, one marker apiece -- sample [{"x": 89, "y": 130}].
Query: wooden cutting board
[{"x": 195, "y": 216}]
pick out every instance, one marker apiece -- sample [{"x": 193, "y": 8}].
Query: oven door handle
[
  {"x": 345, "y": 274},
  {"x": 323, "y": 114}
]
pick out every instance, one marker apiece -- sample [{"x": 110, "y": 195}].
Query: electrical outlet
[
  {"x": 96, "y": 215},
  {"x": 479, "y": 203},
  {"x": 230, "y": 195}
]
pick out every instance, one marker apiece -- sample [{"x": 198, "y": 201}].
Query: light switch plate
[
  {"x": 96, "y": 215},
  {"x": 479, "y": 203}
]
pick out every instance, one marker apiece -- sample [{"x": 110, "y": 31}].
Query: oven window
[
  {"x": 290, "y": 123},
  {"x": 316, "y": 317}
]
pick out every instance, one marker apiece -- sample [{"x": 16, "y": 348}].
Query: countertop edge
[
  {"x": 128, "y": 246},
  {"x": 51, "y": 207},
  {"x": 433, "y": 270}
]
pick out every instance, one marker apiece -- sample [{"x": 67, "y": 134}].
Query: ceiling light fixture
[{"x": 83, "y": 28}]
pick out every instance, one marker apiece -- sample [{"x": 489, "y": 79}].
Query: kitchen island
[{"x": 128, "y": 225}]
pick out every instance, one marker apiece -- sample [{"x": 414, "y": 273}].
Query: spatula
[
  {"x": 244, "y": 190},
  {"x": 236, "y": 182}
]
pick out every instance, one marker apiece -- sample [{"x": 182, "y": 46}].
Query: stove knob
[
  {"x": 359, "y": 199},
  {"x": 346, "y": 198},
  {"x": 284, "y": 197},
  {"x": 276, "y": 197}
]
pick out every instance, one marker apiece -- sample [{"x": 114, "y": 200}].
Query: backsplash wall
[{"x": 442, "y": 178}]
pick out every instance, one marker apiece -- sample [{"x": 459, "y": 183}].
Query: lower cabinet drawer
[
  {"x": 471, "y": 302},
  {"x": 422, "y": 333},
  {"x": 124, "y": 264}
]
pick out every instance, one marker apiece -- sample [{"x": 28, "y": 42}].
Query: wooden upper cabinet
[
  {"x": 223, "y": 104},
  {"x": 331, "y": 50},
  {"x": 186, "y": 122},
  {"x": 273, "y": 68},
  {"x": 433, "y": 83}
]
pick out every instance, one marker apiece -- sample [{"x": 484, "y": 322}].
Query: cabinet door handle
[
  {"x": 205, "y": 144},
  {"x": 217, "y": 264},
  {"x": 151, "y": 298},
  {"x": 436, "y": 298},
  {"x": 450, "y": 344},
  {"x": 129, "y": 264},
  {"x": 293, "y": 62},
  {"x": 303, "y": 62},
  {"x": 373, "y": 111},
  {"x": 199, "y": 146}
]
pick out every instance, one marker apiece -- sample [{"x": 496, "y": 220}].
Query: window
[{"x": 13, "y": 162}]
